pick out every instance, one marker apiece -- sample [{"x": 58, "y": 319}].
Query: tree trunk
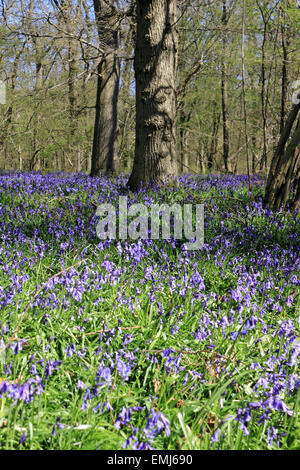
[
  {"x": 263, "y": 163},
  {"x": 200, "y": 159},
  {"x": 284, "y": 165},
  {"x": 183, "y": 119},
  {"x": 244, "y": 97},
  {"x": 128, "y": 106},
  {"x": 72, "y": 61},
  {"x": 155, "y": 68},
  {"x": 284, "y": 43},
  {"x": 105, "y": 145},
  {"x": 224, "y": 91},
  {"x": 36, "y": 160},
  {"x": 214, "y": 137},
  {"x": 266, "y": 12},
  {"x": 253, "y": 138},
  {"x": 295, "y": 204}
]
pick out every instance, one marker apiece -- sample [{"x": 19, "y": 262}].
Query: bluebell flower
[
  {"x": 215, "y": 436},
  {"x": 23, "y": 438}
]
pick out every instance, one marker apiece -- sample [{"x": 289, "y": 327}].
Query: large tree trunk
[
  {"x": 295, "y": 204},
  {"x": 105, "y": 144},
  {"x": 285, "y": 165},
  {"x": 155, "y": 68}
]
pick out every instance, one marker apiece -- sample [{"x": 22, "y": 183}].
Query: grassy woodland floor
[{"x": 145, "y": 345}]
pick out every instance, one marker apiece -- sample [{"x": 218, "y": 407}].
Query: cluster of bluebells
[
  {"x": 142, "y": 438},
  {"x": 238, "y": 293}
]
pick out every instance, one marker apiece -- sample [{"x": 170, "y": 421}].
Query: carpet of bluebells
[{"x": 109, "y": 344}]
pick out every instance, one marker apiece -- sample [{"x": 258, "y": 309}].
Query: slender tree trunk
[
  {"x": 200, "y": 159},
  {"x": 265, "y": 19},
  {"x": 244, "y": 97},
  {"x": 72, "y": 52},
  {"x": 253, "y": 138},
  {"x": 263, "y": 107},
  {"x": 183, "y": 119},
  {"x": 214, "y": 136},
  {"x": 155, "y": 68},
  {"x": 224, "y": 91},
  {"x": 36, "y": 144},
  {"x": 127, "y": 99},
  {"x": 35, "y": 161},
  {"x": 105, "y": 144},
  {"x": 284, "y": 44},
  {"x": 182, "y": 150}
]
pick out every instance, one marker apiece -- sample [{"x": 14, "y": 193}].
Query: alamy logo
[
  {"x": 2, "y": 92},
  {"x": 296, "y": 92},
  {"x": 2, "y": 351},
  {"x": 152, "y": 222}
]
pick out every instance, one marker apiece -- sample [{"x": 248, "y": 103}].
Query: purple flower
[
  {"x": 81, "y": 385},
  {"x": 271, "y": 435},
  {"x": 17, "y": 346},
  {"x": 23, "y": 438},
  {"x": 156, "y": 423},
  {"x": 277, "y": 404},
  {"x": 123, "y": 369},
  {"x": 103, "y": 376},
  {"x": 124, "y": 418},
  {"x": 58, "y": 424},
  {"x": 215, "y": 436},
  {"x": 50, "y": 367},
  {"x": 70, "y": 350}
]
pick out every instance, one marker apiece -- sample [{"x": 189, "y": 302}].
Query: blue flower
[{"x": 23, "y": 438}]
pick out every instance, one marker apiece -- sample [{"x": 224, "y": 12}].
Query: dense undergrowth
[{"x": 144, "y": 344}]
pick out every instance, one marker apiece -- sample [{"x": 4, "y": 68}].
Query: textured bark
[
  {"x": 4, "y": 129},
  {"x": 105, "y": 144},
  {"x": 295, "y": 204},
  {"x": 155, "y": 68},
  {"x": 284, "y": 165}
]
